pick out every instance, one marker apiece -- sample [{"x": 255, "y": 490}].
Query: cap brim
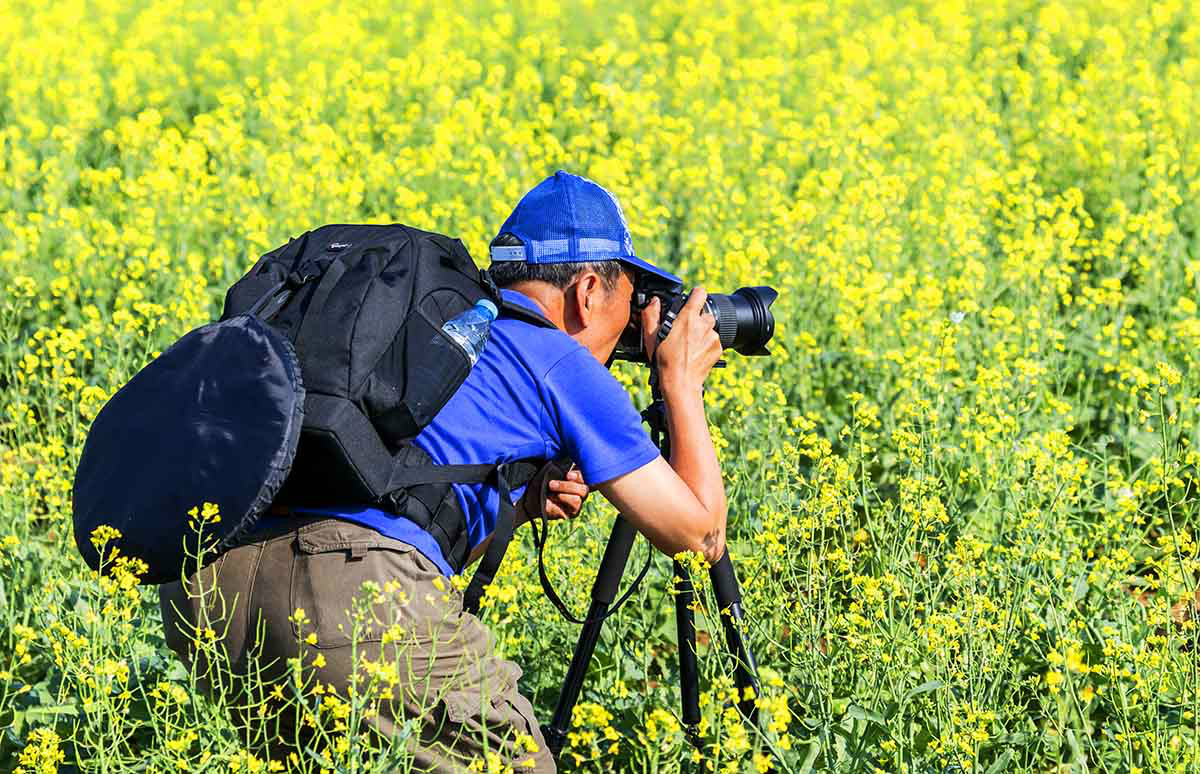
[{"x": 641, "y": 265}]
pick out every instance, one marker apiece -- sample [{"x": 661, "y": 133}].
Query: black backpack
[{"x": 327, "y": 361}]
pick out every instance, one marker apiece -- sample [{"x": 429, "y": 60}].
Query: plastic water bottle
[{"x": 472, "y": 328}]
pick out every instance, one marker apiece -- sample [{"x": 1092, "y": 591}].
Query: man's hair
[{"x": 560, "y": 275}]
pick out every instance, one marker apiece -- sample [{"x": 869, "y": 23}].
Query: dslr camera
[{"x": 743, "y": 318}]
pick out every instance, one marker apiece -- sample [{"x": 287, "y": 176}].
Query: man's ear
[{"x": 589, "y": 297}]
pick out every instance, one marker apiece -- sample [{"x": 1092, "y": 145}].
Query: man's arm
[{"x": 679, "y": 506}]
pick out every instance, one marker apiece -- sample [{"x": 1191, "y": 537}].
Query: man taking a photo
[{"x": 565, "y": 253}]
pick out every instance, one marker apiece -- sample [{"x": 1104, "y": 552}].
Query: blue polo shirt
[{"x": 534, "y": 392}]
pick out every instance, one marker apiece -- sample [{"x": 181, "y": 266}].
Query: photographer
[{"x": 565, "y": 253}]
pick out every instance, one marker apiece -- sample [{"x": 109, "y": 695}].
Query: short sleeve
[{"x": 595, "y": 420}]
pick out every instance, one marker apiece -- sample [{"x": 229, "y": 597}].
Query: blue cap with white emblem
[{"x": 569, "y": 219}]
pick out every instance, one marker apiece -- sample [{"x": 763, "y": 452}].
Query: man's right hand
[{"x": 690, "y": 349}]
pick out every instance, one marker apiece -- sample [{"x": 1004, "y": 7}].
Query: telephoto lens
[{"x": 744, "y": 320}]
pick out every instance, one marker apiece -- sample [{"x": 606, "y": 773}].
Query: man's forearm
[{"x": 695, "y": 459}]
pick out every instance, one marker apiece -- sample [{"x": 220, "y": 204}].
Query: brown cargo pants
[{"x": 431, "y": 662}]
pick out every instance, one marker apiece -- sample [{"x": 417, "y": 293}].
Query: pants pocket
[
  {"x": 503, "y": 725},
  {"x": 334, "y": 559}
]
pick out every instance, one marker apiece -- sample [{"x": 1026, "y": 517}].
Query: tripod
[{"x": 604, "y": 591}]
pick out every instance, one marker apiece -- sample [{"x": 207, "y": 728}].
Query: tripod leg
[
  {"x": 729, "y": 600},
  {"x": 604, "y": 591},
  {"x": 689, "y": 673}
]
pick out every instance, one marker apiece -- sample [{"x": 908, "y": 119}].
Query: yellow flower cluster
[{"x": 42, "y": 753}]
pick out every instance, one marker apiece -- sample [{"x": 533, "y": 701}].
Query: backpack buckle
[
  {"x": 396, "y": 501},
  {"x": 295, "y": 279}
]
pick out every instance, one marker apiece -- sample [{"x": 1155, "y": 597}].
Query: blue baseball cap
[{"x": 570, "y": 219}]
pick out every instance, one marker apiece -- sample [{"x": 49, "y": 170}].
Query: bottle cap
[{"x": 488, "y": 308}]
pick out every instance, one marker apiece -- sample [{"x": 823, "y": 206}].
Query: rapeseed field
[{"x": 963, "y": 486}]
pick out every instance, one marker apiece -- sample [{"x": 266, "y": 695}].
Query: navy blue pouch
[{"x": 215, "y": 418}]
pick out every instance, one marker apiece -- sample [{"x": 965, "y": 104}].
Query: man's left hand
[
  {"x": 557, "y": 493},
  {"x": 565, "y": 497}
]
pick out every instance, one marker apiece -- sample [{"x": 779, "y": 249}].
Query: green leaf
[
  {"x": 70, "y": 710},
  {"x": 1081, "y": 588},
  {"x": 18, "y": 724},
  {"x": 813, "y": 751},
  {"x": 318, "y": 757},
  {"x": 927, "y": 687},
  {"x": 862, "y": 713},
  {"x": 1080, "y": 759},
  {"x": 1001, "y": 763}
]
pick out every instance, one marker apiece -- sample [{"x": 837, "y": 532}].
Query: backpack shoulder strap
[
  {"x": 489, "y": 565},
  {"x": 523, "y": 313},
  {"x": 508, "y": 308},
  {"x": 504, "y": 476}
]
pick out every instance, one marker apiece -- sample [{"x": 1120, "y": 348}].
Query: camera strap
[{"x": 540, "y": 538}]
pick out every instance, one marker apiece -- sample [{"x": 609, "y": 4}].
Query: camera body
[{"x": 742, "y": 319}]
